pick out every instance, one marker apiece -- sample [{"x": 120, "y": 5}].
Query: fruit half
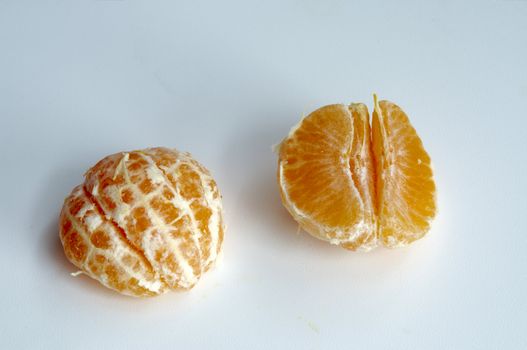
[{"x": 353, "y": 185}]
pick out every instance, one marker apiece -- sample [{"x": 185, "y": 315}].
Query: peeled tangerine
[
  {"x": 356, "y": 186},
  {"x": 144, "y": 222}
]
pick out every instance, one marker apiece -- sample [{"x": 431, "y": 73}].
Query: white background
[{"x": 225, "y": 81}]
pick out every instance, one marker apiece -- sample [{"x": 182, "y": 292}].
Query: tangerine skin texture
[{"x": 144, "y": 222}]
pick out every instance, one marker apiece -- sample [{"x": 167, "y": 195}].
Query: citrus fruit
[
  {"x": 353, "y": 185},
  {"x": 144, "y": 222}
]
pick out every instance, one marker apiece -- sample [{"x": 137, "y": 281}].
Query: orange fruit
[
  {"x": 354, "y": 186},
  {"x": 144, "y": 222}
]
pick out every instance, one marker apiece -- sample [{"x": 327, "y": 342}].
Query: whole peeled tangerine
[{"x": 144, "y": 222}]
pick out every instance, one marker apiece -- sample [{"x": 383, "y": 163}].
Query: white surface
[{"x": 225, "y": 81}]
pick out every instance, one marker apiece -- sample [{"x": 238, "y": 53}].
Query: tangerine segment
[
  {"x": 315, "y": 179},
  {"x": 362, "y": 171},
  {"x": 93, "y": 244},
  {"x": 167, "y": 206},
  {"x": 405, "y": 185}
]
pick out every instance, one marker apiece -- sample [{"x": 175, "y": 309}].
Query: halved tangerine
[{"x": 354, "y": 186}]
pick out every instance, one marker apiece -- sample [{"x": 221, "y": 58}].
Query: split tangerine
[{"x": 354, "y": 185}]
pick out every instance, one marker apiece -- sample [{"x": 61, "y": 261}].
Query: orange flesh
[
  {"x": 92, "y": 250},
  {"x": 156, "y": 207},
  {"x": 405, "y": 182},
  {"x": 318, "y": 188},
  {"x": 353, "y": 186}
]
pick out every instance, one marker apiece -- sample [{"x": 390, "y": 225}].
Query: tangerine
[
  {"x": 354, "y": 185},
  {"x": 144, "y": 222}
]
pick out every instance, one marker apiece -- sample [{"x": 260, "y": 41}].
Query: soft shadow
[
  {"x": 53, "y": 248},
  {"x": 253, "y": 165}
]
